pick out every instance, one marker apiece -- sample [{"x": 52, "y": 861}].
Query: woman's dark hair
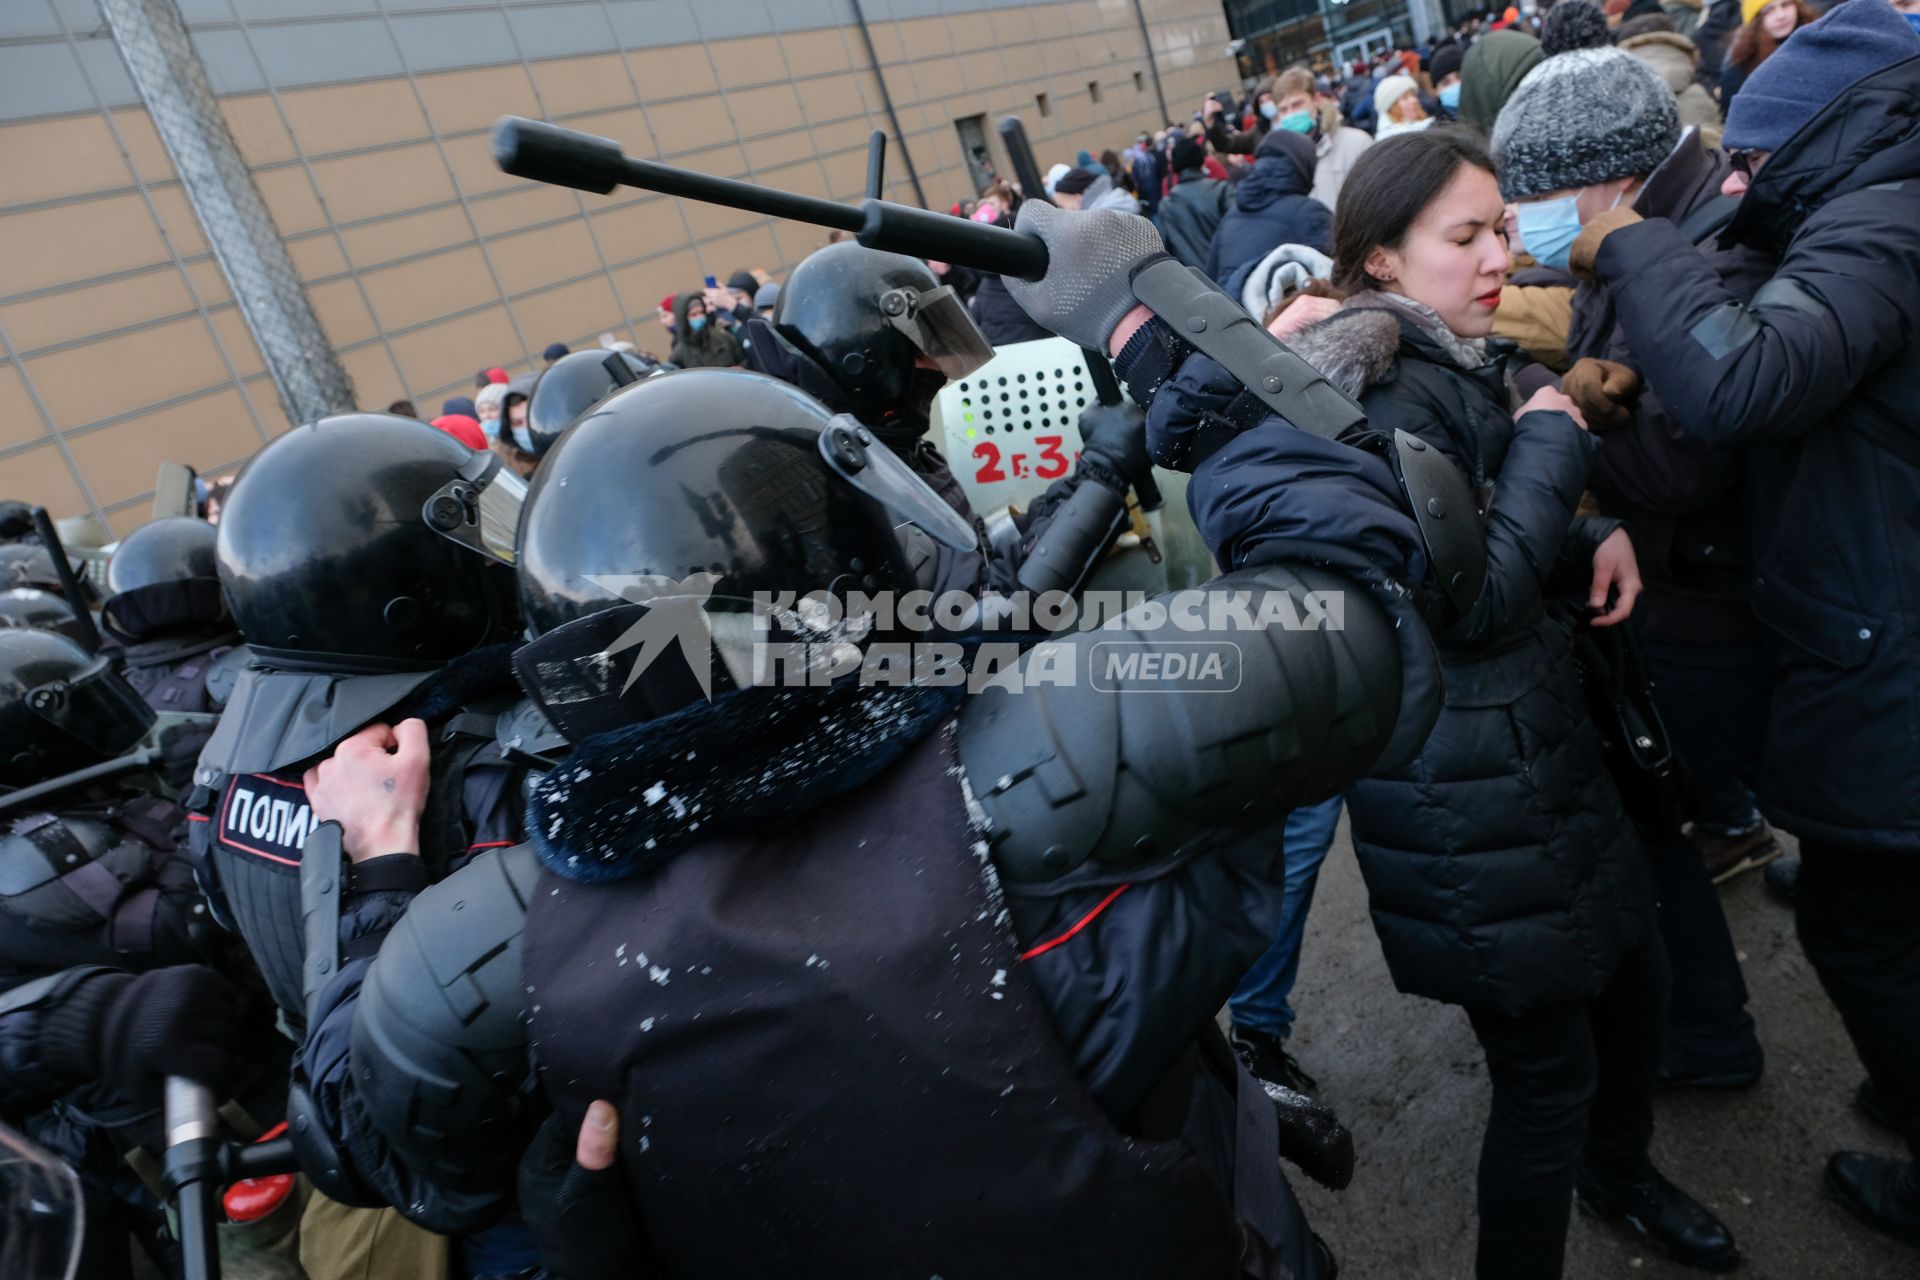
[
  {"x": 1388, "y": 187},
  {"x": 1752, "y": 45}
]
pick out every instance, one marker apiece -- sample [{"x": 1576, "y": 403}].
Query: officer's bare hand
[
  {"x": 1616, "y": 573},
  {"x": 375, "y": 786},
  {"x": 1553, "y": 400}
]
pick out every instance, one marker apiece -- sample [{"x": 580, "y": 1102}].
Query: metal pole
[
  {"x": 1153, "y": 64},
  {"x": 886, "y": 100},
  {"x": 153, "y": 42},
  {"x": 193, "y": 1173}
]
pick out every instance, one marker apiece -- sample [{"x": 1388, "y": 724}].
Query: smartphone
[{"x": 712, "y": 283}]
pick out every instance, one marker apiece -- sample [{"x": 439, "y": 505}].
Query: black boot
[
  {"x": 1267, "y": 1058},
  {"x": 1872, "y": 1105},
  {"x": 1782, "y": 878},
  {"x": 1883, "y": 1193},
  {"x": 1680, "y": 1226}
]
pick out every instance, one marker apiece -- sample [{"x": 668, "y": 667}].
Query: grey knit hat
[{"x": 1587, "y": 116}]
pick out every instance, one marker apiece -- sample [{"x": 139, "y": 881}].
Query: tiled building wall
[{"x": 365, "y": 123}]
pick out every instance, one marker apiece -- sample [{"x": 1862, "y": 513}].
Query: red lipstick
[{"x": 1491, "y": 301}]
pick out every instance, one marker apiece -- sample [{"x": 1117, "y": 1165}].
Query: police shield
[{"x": 41, "y": 1216}]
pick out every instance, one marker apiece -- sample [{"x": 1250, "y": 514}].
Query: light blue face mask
[
  {"x": 1450, "y": 96},
  {"x": 523, "y": 438},
  {"x": 1297, "y": 122},
  {"x": 1269, "y": 109},
  {"x": 1548, "y": 229},
  {"x": 492, "y": 427},
  {"x": 696, "y": 323}
]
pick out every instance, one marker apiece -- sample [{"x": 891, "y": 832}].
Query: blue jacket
[
  {"x": 1817, "y": 376},
  {"x": 1271, "y": 207}
]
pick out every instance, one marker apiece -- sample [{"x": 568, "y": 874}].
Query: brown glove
[
  {"x": 1605, "y": 391},
  {"x": 1587, "y": 247}
]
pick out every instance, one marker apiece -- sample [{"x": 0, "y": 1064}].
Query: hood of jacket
[
  {"x": 1280, "y": 168},
  {"x": 1359, "y": 346},
  {"x": 1103, "y": 194},
  {"x": 1673, "y": 56},
  {"x": 1867, "y": 136},
  {"x": 1493, "y": 68}
]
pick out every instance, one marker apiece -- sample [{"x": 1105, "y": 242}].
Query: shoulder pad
[
  {"x": 278, "y": 718},
  {"x": 44, "y": 846},
  {"x": 224, "y": 671}
]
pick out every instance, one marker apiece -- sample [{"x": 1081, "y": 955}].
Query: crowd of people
[{"x": 396, "y": 788}]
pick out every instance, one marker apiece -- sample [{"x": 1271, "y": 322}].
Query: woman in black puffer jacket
[{"x": 1503, "y": 874}]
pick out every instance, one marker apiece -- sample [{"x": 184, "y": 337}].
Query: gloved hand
[
  {"x": 1604, "y": 390},
  {"x": 1587, "y": 246},
  {"x": 574, "y": 1199},
  {"x": 1091, "y": 258},
  {"x": 1115, "y": 435},
  {"x": 132, "y": 1032},
  {"x": 1312, "y": 1137}
]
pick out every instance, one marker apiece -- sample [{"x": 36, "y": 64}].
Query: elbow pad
[
  {"x": 1125, "y": 764},
  {"x": 440, "y": 1057}
]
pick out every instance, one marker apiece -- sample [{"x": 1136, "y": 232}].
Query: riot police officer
[
  {"x": 40, "y": 610},
  {"x": 872, "y": 946},
  {"x": 180, "y": 647},
  {"x": 104, "y": 939},
  {"x": 573, "y": 384},
  {"x": 877, "y": 335}
]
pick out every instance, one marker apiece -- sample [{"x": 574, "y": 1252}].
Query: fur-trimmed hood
[{"x": 1359, "y": 346}]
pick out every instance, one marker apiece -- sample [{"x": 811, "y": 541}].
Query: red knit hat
[{"x": 463, "y": 429}]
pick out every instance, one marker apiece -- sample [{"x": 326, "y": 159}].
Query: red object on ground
[
  {"x": 252, "y": 1199},
  {"x": 462, "y": 428}
]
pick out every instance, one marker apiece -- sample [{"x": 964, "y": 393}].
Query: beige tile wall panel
[
  {"x": 582, "y": 84},
  {"x": 625, "y": 125},
  {"x": 349, "y": 117},
  {"x": 571, "y": 312},
  {"x": 290, "y": 199},
  {"x": 461, "y": 100},
  {"x": 430, "y": 356},
  {"x": 689, "y": 125},
  {"x": 375, "y": 381},
  {"x": 514, "y": 210},
  {"x": 773, "y": 108},
  {"x": 70, "y": 314},
  {"x": 208, "y": 281},
  {"x": 317, "y": 256},
  {"x": 142, "y": 144},
  {"x": 811, "y": 53},
  {"x": 120, "y": 461},
  {"x": 19, "y": 420},
  {"x": 743, "y": 61},
  {"x": 742, "y": 251},
  {"x": 84, "y": 384},
  {"x": 258, "y": 130},
  {"x": 643, "y": 284},
  {"x": 530, "y": 260},
  {"x": 179, "y": 221},
  {"x": 375, "y": 244},
  {"x": 670, "y": 73},
  {"x": 343, "y": 312},
  {"x": 44, "y": 474},
  {"x": 77, "y": 241},
  {"x": 638, "y": 229},
  {"x": 428, "y": 288},
  {"x": 236, "y": 340},
  {"x": 380, "y": 182},
  {"x": 470, "y": 160},
  {"x": 52, "y": 159}
]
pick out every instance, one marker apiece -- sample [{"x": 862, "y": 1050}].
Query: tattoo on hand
[{"x": 388, "y": 785}]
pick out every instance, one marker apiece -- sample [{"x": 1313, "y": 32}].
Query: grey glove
[{"x": 1091, "y": 258}]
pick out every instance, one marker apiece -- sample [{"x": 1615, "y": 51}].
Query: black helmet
[
  {"x": 164, "y": 576},
  {"x": 27, "y": 564},
  {"x": 325, "y": 559},
  {"x": 39, "y": 610},
  {"x": 60, "y": 709},
  {"x": 864, "y": 317},
  {"x": 573, "y": 384},
  {"x": 707, "y": 472},
  {"x": 16, "y": 520}
]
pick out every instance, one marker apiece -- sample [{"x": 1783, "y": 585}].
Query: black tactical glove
[
  {"x": 581, "y": 1218},
  {"x": 132, "y": 1032},
  {"x": 1312, "y": 1137},
  {"x": 1115, "y": 436}
]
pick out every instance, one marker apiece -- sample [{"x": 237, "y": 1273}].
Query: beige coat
[{"x": 1674, "y": 58}]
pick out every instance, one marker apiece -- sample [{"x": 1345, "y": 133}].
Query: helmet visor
[
  {"x": 96, "y": 706},
  {"x": 875, "y": 470},
  {"x": 939, "y": 325},
  {"x": 481, "y": 509}
]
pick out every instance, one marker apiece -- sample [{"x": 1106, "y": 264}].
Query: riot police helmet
[
  {"x": 573, "y": 384},
  {"x": 39, "y": 610},
  {"x": 61, "y": 708},
  {"x": 882, "y": 327},
  {"x": 16, "y": 520},
  {"x": 164, "y": 577},
  {"x": 326, "y": 562},
  {"x": 719, "y": 489}
]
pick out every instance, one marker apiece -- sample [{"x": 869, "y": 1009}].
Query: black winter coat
[
  {"x": 1000, "y": 317},
  {"x": 1190, "y": 215},
  {"x": 1502, "y": 870},
  {"x": 1271, "y": 207},
  {"x": 1680, "y": 498},
  {"x": 1819, "y": 375}
]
